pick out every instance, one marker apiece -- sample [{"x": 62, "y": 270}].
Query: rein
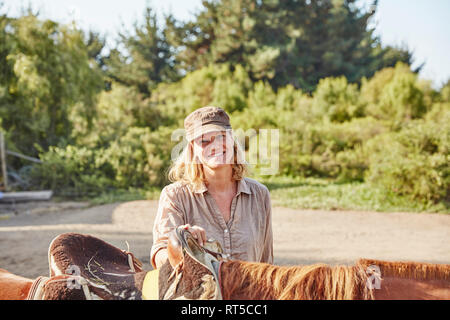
[{"x": 219, "y": 277}]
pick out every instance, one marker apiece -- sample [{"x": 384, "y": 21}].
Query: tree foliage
[
  {"x": 295, "y": 42},
  {"x": 346, "y": 107},
  {"x": 143, "y": 57},
  {"x": 45, "y": 71}
]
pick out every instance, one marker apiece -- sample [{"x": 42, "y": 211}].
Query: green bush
[
  {"x": 214, "y": 84},
  {"x": 439, "y": 114},
  {"x": 328, "y": 149},
  {"x": 336, "y": 147},
  {"x": 414, "y": 161},
  {"x": 394, "y": 95},
  {"x": 231, "y": 89},
  {"x": 115, "y": 112},
  {"x": 140, "y": 158},
  {"x": 337, "y": 100},
  {"x": 352, "y": 165},
  {"x": 372, "y": 88},
  {"x": 72, "y": 171},
  {"x": 445, "y": 92}
]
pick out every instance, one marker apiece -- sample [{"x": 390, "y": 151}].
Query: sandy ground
[{"x": 300, "y": 236}]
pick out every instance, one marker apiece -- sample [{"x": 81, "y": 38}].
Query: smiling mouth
[{"x": 215, "y": 155}]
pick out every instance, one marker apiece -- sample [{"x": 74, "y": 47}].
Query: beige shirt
[{"x": 247, "y": 235}]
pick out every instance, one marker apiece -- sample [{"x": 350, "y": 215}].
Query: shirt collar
[{"x": 241, "y": 187}]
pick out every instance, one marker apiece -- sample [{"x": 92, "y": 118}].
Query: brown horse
[
  {"x": 400, "y": 280},
  {"x": 368, "y": 279},
  {"x": 193, "y": 273},
  {"x": 13, "y": 287}
]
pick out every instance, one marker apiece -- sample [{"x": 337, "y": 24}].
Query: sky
[{"x": 421, "y": 25}]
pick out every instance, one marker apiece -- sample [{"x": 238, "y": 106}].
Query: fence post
[{"x": 3, "y": 159}]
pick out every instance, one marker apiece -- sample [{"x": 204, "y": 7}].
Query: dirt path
[{"x": 300, "y": 236}]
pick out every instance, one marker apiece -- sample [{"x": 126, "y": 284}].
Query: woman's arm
[
  {"x": 169, "y": 216},
  {"x": 199, "y": 233},
  {"x": 160, "y": 258}
]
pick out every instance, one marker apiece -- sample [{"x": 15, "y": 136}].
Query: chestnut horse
[
  {"x": 13, "y": 287},
  {"x": 367, "y": 280},
  {"x": 243, "y": 280},
  {"x": 239, "y": 280},
  {"x": 399, "y": 281}
]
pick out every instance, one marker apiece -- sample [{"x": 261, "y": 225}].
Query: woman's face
[{"x": 214, "y": 148}]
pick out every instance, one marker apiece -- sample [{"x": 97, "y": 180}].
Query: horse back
[
  {"x": 13, "y": 287},
  {"x": 397, "y": 288}
]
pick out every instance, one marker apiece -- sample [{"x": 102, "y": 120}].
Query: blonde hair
[{"x": 188, "y": 171}]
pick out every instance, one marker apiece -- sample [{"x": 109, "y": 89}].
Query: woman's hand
[{"x": 197, "y": 232}]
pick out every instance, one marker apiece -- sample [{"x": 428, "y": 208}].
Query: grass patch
[
  {"x": 312, "y": 193},
  {"x": 304, "y": 193}
]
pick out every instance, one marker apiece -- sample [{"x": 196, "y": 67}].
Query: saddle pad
[{"x": 150, "y": 288}]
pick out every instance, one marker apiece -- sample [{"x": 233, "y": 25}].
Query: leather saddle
[
  {"x": 94, "y": 268},
  {"x": 83, "y": 267}
]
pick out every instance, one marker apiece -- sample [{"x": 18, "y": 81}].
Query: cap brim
[{"x": 204, "y": 130}]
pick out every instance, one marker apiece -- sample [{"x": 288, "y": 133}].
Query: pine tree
[
  {"x": 144, "y": 58},
  {"x": 295, "y": 42}
]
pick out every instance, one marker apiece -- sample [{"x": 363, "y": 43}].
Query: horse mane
[
  {"x": 318, "y": 281},
  {"x": 411, "y": 270}
]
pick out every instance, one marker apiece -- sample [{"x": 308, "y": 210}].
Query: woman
[{"x": 211, "y": 197}]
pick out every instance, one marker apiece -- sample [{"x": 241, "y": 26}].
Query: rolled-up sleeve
[
  {"x": 169, "y": 216},
  {"x": 267, "y": 255}
]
